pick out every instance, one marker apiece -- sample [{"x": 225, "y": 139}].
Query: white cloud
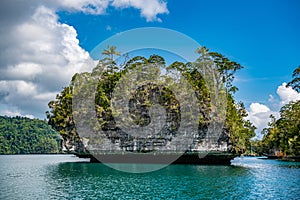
[
  {"x": 149, "y": 8},
  {"x": 21, "y": 88},
  {"x": 44, "y": 54},
  {"x": 259, "y": 115},
  {"x": 10, "y": 113},
  {"x": 287, "y": 94},
  {"x": 22, "y": 96},
  {"x": 95, "y": 7},
  {"x": 39, "y": 54},
  {"x": 23, "y": 71},
  {"x": 258, "y": 108},
  {"x": 271, "y": 98}
]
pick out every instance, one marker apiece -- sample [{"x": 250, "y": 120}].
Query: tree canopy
[
  {"x": 282, "y": 136},
  {"x": 21, "y": 135},
  {"x": 295, "y": 83},
  {"x": 236, "y": 131}
]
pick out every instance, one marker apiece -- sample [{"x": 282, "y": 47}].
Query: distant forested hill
[{"x": 21, "y": 135}]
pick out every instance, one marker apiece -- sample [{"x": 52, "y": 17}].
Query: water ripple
[{"x": 67, "y": 177}]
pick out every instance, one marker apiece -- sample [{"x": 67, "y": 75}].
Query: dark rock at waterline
[{"x": 197, "y": 158}]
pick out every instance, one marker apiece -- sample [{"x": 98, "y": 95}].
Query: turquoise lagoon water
[{"x": 67, "y": 177}]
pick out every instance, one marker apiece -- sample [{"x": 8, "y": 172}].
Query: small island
[{"x": 235, "y": 132}]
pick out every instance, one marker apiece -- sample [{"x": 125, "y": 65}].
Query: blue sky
[{"x": 263, "y": 36}]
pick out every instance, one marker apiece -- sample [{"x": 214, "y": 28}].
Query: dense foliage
[
  {"x": 236, "y": 131},
  {"x": 21, "y": 135},
  {"x": 282, "y": 137},
  {"x": 295, "y": 83}
]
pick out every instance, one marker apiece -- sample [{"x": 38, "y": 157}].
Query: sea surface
[{"x": 67, "y": 177}]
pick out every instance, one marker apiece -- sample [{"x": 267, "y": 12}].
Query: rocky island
[{"x": 205, "y": 126}]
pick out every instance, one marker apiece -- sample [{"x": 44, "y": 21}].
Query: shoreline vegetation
[
  {"x": 236, "y": 132},
  {"x": 281, "y": 139},
  {"x": 21, "y": 135}
]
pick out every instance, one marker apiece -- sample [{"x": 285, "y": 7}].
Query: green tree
[
  {"x": 110, "y": 52},
  {"x": 240, "y": 130},
  {"x": 236, "y": 131},
  {"x": 282, "y": 137},
  {"x": 61, "y": 119},
  {"x": 295, "y": 83},
  {"x": 21, "y": 135}
]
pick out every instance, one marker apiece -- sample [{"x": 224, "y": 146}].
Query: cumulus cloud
[
  {"x": 287, "y": 94},
  {"x": 258, "y": 108},
  {"x": 14, "y": 113},
  {"x": 26, "y": 70},
  {"x": 149, "y": 8},
  {"x": 259, "y": 113},
  {"x": 95, "y": 7},
  {"x": 39, "y": 54},
  {"x": 37, "y": 60}
]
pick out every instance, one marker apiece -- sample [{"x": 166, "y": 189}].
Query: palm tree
[
  {"x": 295, "y": 83},
  {"x": 110, "y": 52}
]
